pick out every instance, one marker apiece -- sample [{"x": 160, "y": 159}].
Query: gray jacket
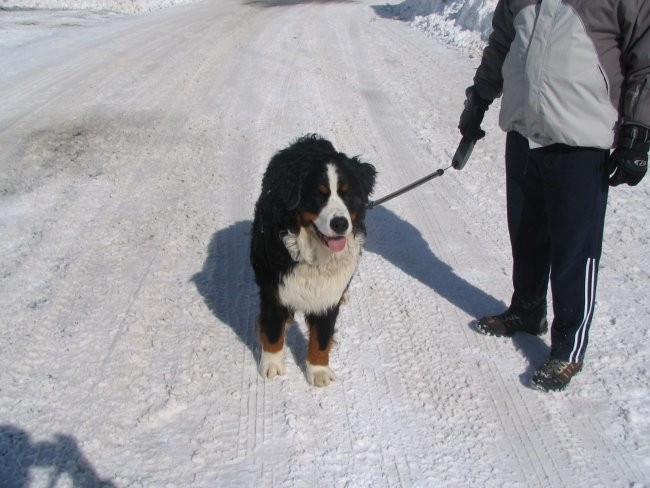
[{"x": 569, "y": 71}]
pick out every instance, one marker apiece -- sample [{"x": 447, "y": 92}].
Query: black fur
[{"x": 290, "y": 189}]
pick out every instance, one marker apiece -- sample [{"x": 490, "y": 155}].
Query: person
[{"x": 573, "y": 80}]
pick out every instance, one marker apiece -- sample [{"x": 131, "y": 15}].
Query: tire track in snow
[
  {"x": 358, "y": 392},
  {"x": 304, "y": 73},
  {"x": 258, "y": 421}
]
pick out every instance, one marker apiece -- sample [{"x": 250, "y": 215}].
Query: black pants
[{"x": 556, "y": 198}]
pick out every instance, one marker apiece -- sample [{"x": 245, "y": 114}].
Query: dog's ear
[
  {"x": 366, "y": 175},
  {"x": 292, "y": 165},
  {"x": 290, "y": 190},
  {"x": 283, "y": 179}
]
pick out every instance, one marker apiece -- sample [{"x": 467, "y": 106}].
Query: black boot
[{"x": 508, "y": 323}]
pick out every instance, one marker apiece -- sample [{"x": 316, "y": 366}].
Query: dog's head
[
  {"x": 332, "y": 201},
  {"x": 327, "y": 190}
]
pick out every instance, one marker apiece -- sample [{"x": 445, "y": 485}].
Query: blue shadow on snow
[
  {"x": 227, "y": 285},
  {"x": 401, "y": 243},
  {"x": 61, "y": 457}
]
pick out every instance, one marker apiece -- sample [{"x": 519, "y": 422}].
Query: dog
[{"x": 306, "y": 241}]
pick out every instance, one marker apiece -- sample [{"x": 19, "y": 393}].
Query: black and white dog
[{"x": 306, "y": 242}]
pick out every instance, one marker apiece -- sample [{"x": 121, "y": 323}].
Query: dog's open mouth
[{"x": 334, "y": 244}]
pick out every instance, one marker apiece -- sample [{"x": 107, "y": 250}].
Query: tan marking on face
[{"x": 306, "y": 218}]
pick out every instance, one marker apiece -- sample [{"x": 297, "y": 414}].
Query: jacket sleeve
[
  {"x": 488, "y": 80},
  {"x": 636, "y": 62}
]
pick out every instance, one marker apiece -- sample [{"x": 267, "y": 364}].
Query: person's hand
[
  {"x": 472, "y": 116},
  {"x": 628, "y": 162}
]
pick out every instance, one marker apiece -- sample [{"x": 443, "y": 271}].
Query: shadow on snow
[
  {"x": 227, "y": 284},
  {"x": 401, "y": 243},
  {"x": 60, "y": 457}
]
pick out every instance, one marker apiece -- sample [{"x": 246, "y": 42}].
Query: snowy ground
[{"x": 132, "y": 152}]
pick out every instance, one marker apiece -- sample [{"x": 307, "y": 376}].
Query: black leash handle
[
  {"x": 458, "y": 162},
  {"x": 463, "y": 153}
]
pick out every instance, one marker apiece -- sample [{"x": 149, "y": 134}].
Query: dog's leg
[
  {"x": 321, "y": 331},
  {"x": 271, "y": 325}
]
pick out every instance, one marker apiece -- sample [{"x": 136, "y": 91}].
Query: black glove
[
  {"x": 472, "y": 116},
  {"x": 628, "y": 163}
]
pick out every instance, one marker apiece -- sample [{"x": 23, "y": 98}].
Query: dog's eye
[
  {"x": 344, "y": 189},
  {"x": 324, "y": 190}
]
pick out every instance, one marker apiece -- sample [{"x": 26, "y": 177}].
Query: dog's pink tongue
[{"x": 336, "y": 245}]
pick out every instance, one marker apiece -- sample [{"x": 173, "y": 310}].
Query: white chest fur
[{"x": 319, "y": 279}]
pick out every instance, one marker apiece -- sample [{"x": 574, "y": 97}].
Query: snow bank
[{"x": 465, "y": 24}]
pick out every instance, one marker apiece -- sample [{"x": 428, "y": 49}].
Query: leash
[{"x": 459, "y": 160}]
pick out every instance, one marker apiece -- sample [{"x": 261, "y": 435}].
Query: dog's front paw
[
  {"x": 272, "y": 364},
  {"x": 319, "y": 375}
]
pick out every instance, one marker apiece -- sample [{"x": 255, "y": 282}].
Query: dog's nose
[{"x": 339, "y": 225}]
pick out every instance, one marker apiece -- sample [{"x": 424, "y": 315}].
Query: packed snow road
[{"x": 132, "y": 153}]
